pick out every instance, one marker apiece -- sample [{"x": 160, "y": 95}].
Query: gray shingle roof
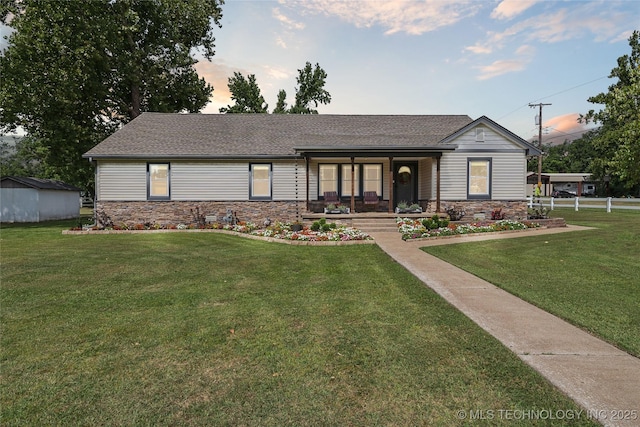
[
  {"x": 155, "y": 135},
  {"x": 37, "y": 183}
]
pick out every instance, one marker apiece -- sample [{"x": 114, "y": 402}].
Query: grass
[
  {"x": 589, "y": 278},
  {"x": 210, "y": 329}
]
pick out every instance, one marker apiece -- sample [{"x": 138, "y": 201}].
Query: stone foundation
[
  {"x": 184, "y": 212},
  {"x": 512, "y": 209}
]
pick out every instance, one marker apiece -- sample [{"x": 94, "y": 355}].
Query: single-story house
[
  {"x": 26, "y": 199},
  {"x": 160, "y": 167}
]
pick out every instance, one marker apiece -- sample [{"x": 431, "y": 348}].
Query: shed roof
[
  {"x": 565, "y": 176},
  {"x": 37, "y": 183},
  {"x": 165, "y": 135}
]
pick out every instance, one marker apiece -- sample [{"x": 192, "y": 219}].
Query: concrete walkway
[{"x": 602, "y": 379}]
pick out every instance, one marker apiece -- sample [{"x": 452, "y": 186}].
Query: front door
[{"x": 405, "y": 182}]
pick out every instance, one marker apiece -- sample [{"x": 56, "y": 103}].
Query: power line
[
  {"x": 549, "y": 96},
  {"x": 571, "y": 88}
]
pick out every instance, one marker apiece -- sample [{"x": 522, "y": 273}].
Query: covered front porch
[{"x": 349, "y": 178}]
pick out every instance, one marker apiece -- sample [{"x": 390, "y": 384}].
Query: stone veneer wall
[
  {"x": 180, "y": 212},
  {"x": 512, "y": 209}
]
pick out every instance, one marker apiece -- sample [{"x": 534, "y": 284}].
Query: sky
[{"x": 477, "y": 58}]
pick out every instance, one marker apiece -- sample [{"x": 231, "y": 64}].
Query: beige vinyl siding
[
  {"x": 209, "y": 181},
  {"x": 194, "y": 180},
  {"x": 284, "y": 180},
  {"x": 493, "y": 141},
  {"x": 424, "y": 178},
  {"x": 453, "y": 176},
  {"x": 509, "y": 176},
  {"x": 508, "y": 171},
  {"x": 121, "y": 181}
]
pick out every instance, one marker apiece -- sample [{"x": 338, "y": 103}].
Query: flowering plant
[
  {"x": 336, "y": 233},
  {"x": 415, "y": 229}
]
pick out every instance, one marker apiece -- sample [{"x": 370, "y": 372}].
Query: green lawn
[
  {"x": 590, "y": 278},
  {"x": 212, "y": 329}
]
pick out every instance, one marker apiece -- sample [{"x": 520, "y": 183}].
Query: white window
[
  {"x": 479, "y": 184},
  {"x": 328, "y": 178},
  {"x": 372, "y": 178},
  {"x": 158, "y": 180},
  {"x": 480, "y": 134},
  {"x": 346, "y": 180},
  {"x": 260, "y": 181}
]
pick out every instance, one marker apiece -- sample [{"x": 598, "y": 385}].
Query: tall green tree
[
  {"x": 74, "y": 71},
  {"x": 618, "y": 139},
  {"x": 310, "y": 90},
  {"x": 246, "y": 94},
  {"x": 281, "y": 104}
]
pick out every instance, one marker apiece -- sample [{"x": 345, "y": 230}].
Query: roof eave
[{"x": 92, "y": 157}]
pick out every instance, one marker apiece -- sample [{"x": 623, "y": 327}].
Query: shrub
[{"x": 435, "y": 222}]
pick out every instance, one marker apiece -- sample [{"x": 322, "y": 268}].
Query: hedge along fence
[{"x": 576, "y": 203}]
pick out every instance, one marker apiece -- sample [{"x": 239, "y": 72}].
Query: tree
[
  {"x": 618, "y": 139},
  {"x": 281, "y": 104},
  {"x": 16, "y": 157},
  {"x": 74, "y": 72},
  {"x": 310, "y": 89},
  {"x": 247, "y": 97},
  {"x": 246, "y": 94}
]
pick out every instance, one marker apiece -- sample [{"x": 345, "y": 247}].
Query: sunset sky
[{"x": 477, "y": 58}]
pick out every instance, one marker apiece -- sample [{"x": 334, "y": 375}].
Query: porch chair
[
  {"x": 371, "y": 198},
  {"x": 331, "y": 198}
]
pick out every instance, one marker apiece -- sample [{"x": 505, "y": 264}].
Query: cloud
[
  {"x": 277, "y": 73},
  {"x": 622, "y": 37},
  {"x": 579, "y": 21},
  {"x": 524, "y": 54},
  {"x": 507, "y": 9},
  {"x": 395, "y": 16},
  {"x": 288, "y": 23},
  {"x": 562, "y": 128}
]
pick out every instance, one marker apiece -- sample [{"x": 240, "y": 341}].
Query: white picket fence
[{"x": 585, "y": 203}]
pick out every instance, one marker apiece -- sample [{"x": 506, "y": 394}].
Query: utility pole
[{"x": 540, "y": 105}]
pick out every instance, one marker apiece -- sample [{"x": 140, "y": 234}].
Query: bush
[
  {"x": 323, "y": 225},
  {"x": 435, "y": 222}
]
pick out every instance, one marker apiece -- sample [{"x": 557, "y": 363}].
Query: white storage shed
[{"x": 24, "y": 199}]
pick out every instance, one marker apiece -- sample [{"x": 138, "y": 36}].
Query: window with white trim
[
  {"x": 260, "y": 181},
  {"x": 158, "y": 181},
  {"x": 479, "y": 178}
]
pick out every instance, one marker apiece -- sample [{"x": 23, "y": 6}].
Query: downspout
[
  {"x": 390, "y": 208},
  {"x": 438, "y": 184},
  {"x": 307, "y": 160},
  {"x": 353, "y": 186}
]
